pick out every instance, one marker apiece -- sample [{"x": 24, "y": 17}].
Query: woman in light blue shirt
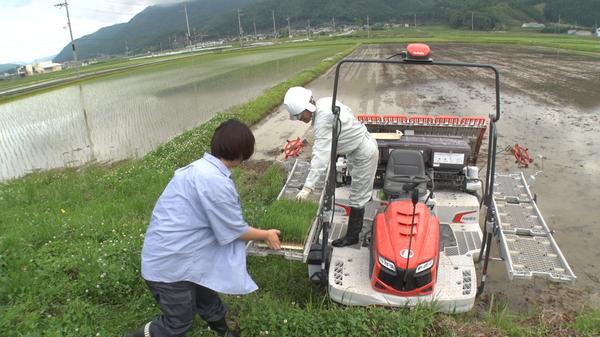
[{"x": 194, "y": 247}]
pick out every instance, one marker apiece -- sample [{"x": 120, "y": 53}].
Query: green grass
[
  {"x": 588, "y": 322},
  {"x": 291, "y": 217}
]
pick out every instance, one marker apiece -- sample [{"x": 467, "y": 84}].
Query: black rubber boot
[
  {"x": 221, "y": 328},
  {"x": 355, "y": 223},
  {"x": 137, "y": 333}
]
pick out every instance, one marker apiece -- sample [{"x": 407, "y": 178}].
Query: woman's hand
[
  {"x": 272, "y": 239},
  {"x": 269, "y": 236}
]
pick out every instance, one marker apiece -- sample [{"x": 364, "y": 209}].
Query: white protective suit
[{"x": 354, "y": 141}]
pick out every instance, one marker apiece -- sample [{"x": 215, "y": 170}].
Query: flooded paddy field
[
  {"x": 125, "y": 116},
  {"x": 550, "y": 104}
]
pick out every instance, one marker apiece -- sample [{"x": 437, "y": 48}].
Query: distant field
[{"x": 577, "y": 44}]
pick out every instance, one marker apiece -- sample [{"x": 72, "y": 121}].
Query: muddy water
[
  {"x": 127, "y": 116},
  {"x": 550, "y": 104}
]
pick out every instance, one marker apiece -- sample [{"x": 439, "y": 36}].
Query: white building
[
  {"x": 47, "y": 67},
  {"x": 39, "y": 68},
  {"x": 578, "y": 32},
  {"x": 598, "y": 32},
  {"x": 533, "y": 25}
]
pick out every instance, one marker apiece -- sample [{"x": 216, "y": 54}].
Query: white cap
[{"x": 296, "y": 100}]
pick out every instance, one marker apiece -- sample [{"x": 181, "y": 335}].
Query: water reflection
[{"x": 123, "y": 117}]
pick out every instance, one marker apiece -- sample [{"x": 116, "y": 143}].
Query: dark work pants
[{"x": 179, "y": 303}]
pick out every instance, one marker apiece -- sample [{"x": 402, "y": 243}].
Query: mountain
[
  {"x": 154, "y": 28},
  {"x": 164, "y": 27},
  {"x": 8, "y": 68}
]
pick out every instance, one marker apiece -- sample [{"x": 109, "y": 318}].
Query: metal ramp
[
  {"x": 526, "y": 243},
  {"x": 294, "y": 183}
]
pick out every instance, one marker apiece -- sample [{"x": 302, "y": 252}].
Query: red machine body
[{"x": 390, "y": 250}]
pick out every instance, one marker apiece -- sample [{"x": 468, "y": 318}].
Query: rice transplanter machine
[{"x": 431, "y": 217}]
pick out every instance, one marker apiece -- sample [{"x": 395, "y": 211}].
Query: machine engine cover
[{"x": 390, "y": 250}]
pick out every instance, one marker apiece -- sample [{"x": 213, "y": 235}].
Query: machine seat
[{"x": 405, "y": 170}]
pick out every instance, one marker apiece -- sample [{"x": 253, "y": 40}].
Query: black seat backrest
[{"x": 404, "y": 167}]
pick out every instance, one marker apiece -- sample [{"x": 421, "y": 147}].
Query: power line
[{"x": 106, "y": 11}]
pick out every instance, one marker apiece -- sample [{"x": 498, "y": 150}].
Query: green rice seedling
[
  {"x": 258, "y": 187},
  {"x": 292, "y": 218}
]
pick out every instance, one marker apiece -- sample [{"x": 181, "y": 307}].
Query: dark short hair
[{"x": 232, "y": 140}]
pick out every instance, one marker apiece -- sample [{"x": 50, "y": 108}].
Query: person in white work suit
[{"x": 354, "y": 141}]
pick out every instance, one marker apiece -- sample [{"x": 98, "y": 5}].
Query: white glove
[{"x": 303, "y": 195}]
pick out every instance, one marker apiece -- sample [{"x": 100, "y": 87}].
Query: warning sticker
[{"x": 448, "y": 158}]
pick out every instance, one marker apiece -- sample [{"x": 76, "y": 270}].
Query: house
[
  {"x": 597, "y": 32},
  {"x": 533, "y": 25}
]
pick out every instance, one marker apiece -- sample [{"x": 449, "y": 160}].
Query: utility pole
[
  {"x": 472, "y": 26},
  {"x": 368, "y": 29},
  {"x": 274, "y": 27},
  {"x": 415, "y": 20},
  {"x": 333, "y": 19},
  {"x": 126, "y": 49},
  {"x": 255, "y": 36},
  {"x": 240, "y": 27},
  {"x": 289, "y": 29},
  {"x": 66, "y": 5},
  {"x": 308, "y": 31},
  {"x": 187, "y": 23}
]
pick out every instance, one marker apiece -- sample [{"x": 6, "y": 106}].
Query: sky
[{"x": 36, "y": 29}]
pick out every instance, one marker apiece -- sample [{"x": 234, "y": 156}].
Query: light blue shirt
[{"x": 194, "y": 231}]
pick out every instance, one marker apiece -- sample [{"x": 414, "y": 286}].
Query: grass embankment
[{"x": 70, "y": 242}]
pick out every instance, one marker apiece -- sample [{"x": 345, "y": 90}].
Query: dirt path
[{"x": 550, "y": 104}]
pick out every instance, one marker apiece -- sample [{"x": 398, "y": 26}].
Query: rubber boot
[
  {"x": 140, "y": 332},
  {"x": 355, "y": 223},
  {"x": 221, "y": 328}
]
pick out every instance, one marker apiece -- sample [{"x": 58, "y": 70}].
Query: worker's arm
[{"x": 269, "y": 236}]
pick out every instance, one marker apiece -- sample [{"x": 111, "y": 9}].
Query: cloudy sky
[{"x": 34, "y": 29}]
